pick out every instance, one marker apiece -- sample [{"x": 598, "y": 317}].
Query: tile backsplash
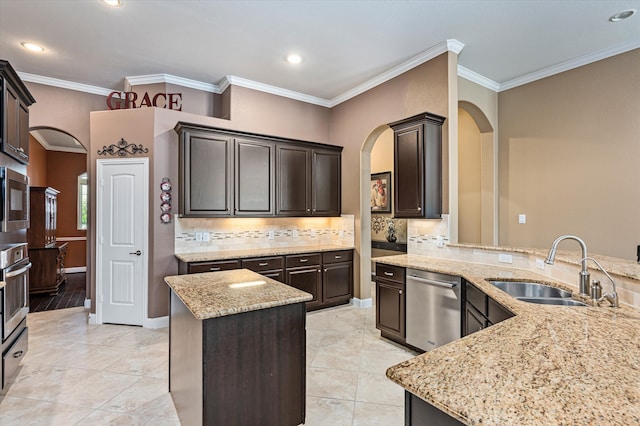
[
  {"x": 380, "y": 228},
  {"x": 425, "y": 235},
  {"x": 209, "y": 234}
]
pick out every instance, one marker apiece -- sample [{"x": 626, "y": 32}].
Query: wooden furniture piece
[
  {"x": 47, "y": 271},
  {"x": 391, "y": 302},
  {"x": 14, "y": 114},
  {"x": 417, "y": 177},
  {"x": 237, "y": 356},
  {"x": 226, "y": 173},
  {"x": 327, "y": 276},
  {"x": 46, "y": 255}
]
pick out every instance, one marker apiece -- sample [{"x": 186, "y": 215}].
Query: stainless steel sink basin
[
  {"x": 552, "y": 301},
  {"x": 522, "y": 289}
]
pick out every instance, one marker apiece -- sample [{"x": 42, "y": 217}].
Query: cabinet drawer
[
  {"x": 337, "y": 256},
  {"x": 298, "y": 260},
  {"x": 390, "y": 272},
  {"x": 220, "y": 265},
  {"x": 477, "y": 298},
  {"x": 263, "y": 263},
  {"x": 14, "y": 355}
]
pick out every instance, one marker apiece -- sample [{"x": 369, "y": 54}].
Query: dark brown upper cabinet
[
  {"x": 417, "y": 178},
  {"x": 205, "y": 168},
  {"x": 228, "y": 173},
  {"x": 14, "y": 114},
  {"x": 254, "y": 177}
]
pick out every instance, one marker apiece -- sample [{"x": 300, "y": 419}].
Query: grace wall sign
[{"x": 126, "y": 100}]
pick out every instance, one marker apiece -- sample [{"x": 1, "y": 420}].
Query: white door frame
[{"x": 145, "y": 233}]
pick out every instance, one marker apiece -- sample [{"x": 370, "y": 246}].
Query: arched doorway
[{"x": 477, "y": 205}]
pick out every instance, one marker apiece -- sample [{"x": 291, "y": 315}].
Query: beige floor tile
[
  {"x": 329, "y": 383},
  {"x": 377, "y": 389},
  {"x": 337, "y": 357},
  {"x": 377, "y": 415},
  {"x": 21, "y": 411},
  {"x": 328, "y": 411},
  {"x": 146, "y": 397},
  {"x": 138, "y": 361}
]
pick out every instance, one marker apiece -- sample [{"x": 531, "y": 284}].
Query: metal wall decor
[
  {"x": 165, "y": 198},
  {"x": 122, "y": 149}
]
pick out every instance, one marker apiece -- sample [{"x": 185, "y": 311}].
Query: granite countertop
[
  {"x": 546, "y": 365},
  {"x": 211, "y": 295},
  {"x": 274, "y": 251},
  {"x": 2, "y": 283}
]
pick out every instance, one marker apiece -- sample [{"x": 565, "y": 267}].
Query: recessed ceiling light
[
  {"x": 620, "y": 16},
  {"x": 294, "y": 59},
  {"x": 114, "y": 3},
  {"x": 32, "y": 46}
]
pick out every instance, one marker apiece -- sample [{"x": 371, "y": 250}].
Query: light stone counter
[
  {"x": 240, "y": 254},
  {"x": 211, "y": 295},
  {"x": 547, "y": 365}
]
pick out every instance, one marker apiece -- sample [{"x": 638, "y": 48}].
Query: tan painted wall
[
  {"x": 469, "y": 179},
  {"x": 37, "y": 168},
  {"x": 569, "y": 152},
  {"x": 382, "y": 153},
  {"x": 193, "y": 100}
]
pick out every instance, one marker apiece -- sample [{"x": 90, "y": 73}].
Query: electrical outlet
[
  {"x": 539, "y": 263},
  {"x": 206, "y": 236},
  {"x": 272, "y": 234},
  {"x": 198, "y": 236},
  {"x": 522, "y": 218},
  {"x": 295, "y": 233},
  {"x": 505, "y": 258},
  {"x": 439, "y": 241},
  {"x": 312, "y": 232},
  {"x": 341, "y": 233}
]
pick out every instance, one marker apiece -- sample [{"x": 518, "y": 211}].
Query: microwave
[{"x": 14, "y": 213}]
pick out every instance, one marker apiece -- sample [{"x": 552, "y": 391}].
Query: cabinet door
[
  {"x": 274, "y": 275},
  {"x": 11, "y": 141},
  {"x": 23, "y": 132},
  {"x": 390, "y": 308},
  {"x": 293, "y": 180},
  {"x": 474, "y": 320},
  {"x": 408, "y": 177},
  {"x": 337, "y": 282},
  {"x": 326, "y": 183},
  {"x": 254, "y": 177},
  {"x": 213, "y": 266},
  {"x": 206, "y": 174},
  {"x": 309, "y": 280}
]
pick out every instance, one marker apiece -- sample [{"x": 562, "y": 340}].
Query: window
[{"x": 83, "y": 201}]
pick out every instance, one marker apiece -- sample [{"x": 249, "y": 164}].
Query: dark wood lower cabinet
[
  {"x": 242, "y": 369},
  {"x": 309, "y": 279},
  {"x": 480, "y": 311},
  {"x": 47, "y": 271},
  {"x": 337, "y": 283},
  {"x": 390, "y": 306},
  {"x": 420, "y": 413}
]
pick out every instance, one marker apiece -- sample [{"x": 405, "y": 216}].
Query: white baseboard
[
  {"x": 160, "y": 322},
  {"x": 93, "y": 319},
  {"x": 75, "y": 269},
  {"x": 362, "y": 303},
  {"x": 87, "y": 303}
]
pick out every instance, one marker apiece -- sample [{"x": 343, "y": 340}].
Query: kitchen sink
[
  {"x": 552, "y": 301},
  {"x": 523, "y": 289}
]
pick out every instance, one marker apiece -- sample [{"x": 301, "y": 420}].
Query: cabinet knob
[
  {"x": 325, "y": 270},
  {"x": 399, "y": 291},
  {"x": 308, "y": 210},
  {"x": 419, "y": 208}
]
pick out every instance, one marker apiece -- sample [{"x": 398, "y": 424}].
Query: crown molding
[
  {"x": 568, "y": 65},
  {"x": 250, "y": 84},
  {"x": 138, "y": 80},
  {"x": 42, "y": 141},
  {"x": 449, "y": 45},
  {"x": 473, "y": 76},
  {"x": 64, "y": 84}
]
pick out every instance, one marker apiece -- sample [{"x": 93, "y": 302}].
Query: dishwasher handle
[{"x": 446, "y": 284}]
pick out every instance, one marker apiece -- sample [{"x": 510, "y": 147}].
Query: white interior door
[{"x": 122, "y": 240}]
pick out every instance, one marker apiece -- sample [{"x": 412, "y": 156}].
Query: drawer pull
[
  {"x": 263, "y": 263},
  {"x": 214, "y": 268},
  {"x": 338, "y": 257},
  {"x": 18, "y": 354},
  {"x": 304, "y": 260},
  {"x": 389, "y": 274}
]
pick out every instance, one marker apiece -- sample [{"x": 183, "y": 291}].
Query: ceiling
[{"x": 344, "y": 44}]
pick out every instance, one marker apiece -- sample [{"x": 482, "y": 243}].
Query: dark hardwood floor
[{"x": 71, "y": 294}]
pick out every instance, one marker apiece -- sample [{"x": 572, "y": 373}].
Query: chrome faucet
[
  {"x": 612, "y": 297},
  {"x": 584, "y": 283}
]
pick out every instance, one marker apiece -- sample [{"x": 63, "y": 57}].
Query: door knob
[{"x": 137, "y": 253}]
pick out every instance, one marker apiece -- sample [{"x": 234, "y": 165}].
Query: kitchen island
[
  {"x": 546, "y": 365},
  {"x": 236, "y": 349}
]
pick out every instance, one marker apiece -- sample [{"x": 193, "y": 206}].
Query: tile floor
[{"x": 77, "y": 374}]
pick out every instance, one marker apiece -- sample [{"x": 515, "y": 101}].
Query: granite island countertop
[
  {"x": 546, "y": 365},
  {"x": 216, "y": 294},
  {"x": 204, "y": 256}
]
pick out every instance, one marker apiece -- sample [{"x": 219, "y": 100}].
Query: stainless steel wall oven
[{"x": 14, "y": 306}]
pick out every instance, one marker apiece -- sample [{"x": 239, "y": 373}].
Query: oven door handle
[{"x": 15, "y": 273}]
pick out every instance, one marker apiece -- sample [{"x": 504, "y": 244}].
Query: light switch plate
[
  {"x": 198, "y": 236},
  {"x": 295, "y": 233},
  {"x": 312, "y": 232},
  {"x": 206, "y": 236},
  {"x": 522, "y": 218},
  {"x": 272, "y": 234}
]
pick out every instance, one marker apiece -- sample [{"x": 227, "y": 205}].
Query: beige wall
[
  {"x": 469, "y": 179},
  {"x": 382, "y": 153},
  {"x": 569, "y": 152}
]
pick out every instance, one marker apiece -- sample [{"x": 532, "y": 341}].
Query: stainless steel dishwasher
[{"x": 434, "y": 304}]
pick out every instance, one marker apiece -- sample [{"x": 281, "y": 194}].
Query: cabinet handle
[
  {"x": 304, "y": 260},
  {"x": 214, "y": 268},
  {"x": 338, "y": 257},
  {"x": 18, "y": 354},
  {"x": 389, "y": 274},
  {"x": 263, "y": 264},
  {"x": 137, "y": 253}
]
